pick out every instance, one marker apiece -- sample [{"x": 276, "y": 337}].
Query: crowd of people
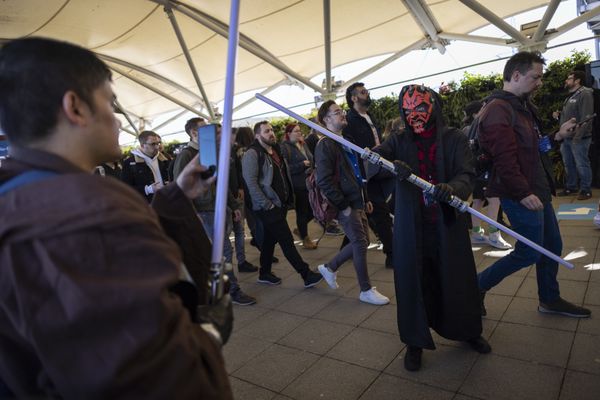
[{"x": 105, "y": 283}]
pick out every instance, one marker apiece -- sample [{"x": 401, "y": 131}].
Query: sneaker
[
  {"x": 269, "y": 278},
  {"x": 333, "y": 230},
  {"x": 495, "y": 239},
  {"x": 412, "y": 358},
  {"x": 330, "y": 277},
  {"x": 242, "y": 299},
  {"x": 563, "y": 307},
  {"x": 247, "y": 267},
  {"x": 372, "y": 296},
  {"x": 308, "y": 244},
  {"x": 567, "y": 192},
  {"x": 478, "y": 236},
  {"x": 480, "y": 345},
  {"x": 583, "y": 195},
  {"x": 312, "y": 278},
  {"x": 482, "y": 302}
]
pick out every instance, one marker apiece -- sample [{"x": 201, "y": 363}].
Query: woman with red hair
[{"x": 300, "y": 164}]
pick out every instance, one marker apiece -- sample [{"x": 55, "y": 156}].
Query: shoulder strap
[{"x": 24, "y": 179}]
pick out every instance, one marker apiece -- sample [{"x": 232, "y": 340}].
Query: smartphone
[
  {"x": 586, "y": 120},
  {"x": 207, "y": 149}
]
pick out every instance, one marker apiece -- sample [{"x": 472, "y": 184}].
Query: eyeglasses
[
  {"x": 153, "y": 143},
  {"x": 364, "y": 91},
  {"x": 338, "y": 112}
]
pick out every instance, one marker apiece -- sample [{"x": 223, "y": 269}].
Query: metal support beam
[
  {"x": 497, "y": 22},
  {"x": 264, "y": 92},
  {"x": 128, "y": 131},
  {"x": 153, "y": 75},
  {"x": 173, "y": 118},
  {"x": 327, "y": 42},
  {"x": 381, "y": 64},
  {"x": 541, "y": 29},
  {"x": 246, "y": 43},
  {"x": 189, "y": 59},
  {"x": 573, "y": 23},
  {"x": 126, "y": 115},
  {"x": 158, "y": 91},
  {"x": 477, "y": 39},
  {"x": 424, "y": 17}
]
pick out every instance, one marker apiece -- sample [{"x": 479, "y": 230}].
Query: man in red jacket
[{"x": 510, "y": 131}]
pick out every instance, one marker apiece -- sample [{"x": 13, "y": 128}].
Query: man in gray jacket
[
  {"x": 269, "y": 187},
  {"x": 340, "y": 179},
  {"x": 575, "y": 147}
]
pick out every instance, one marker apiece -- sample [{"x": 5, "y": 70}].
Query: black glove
[
  {"x": 402, "y": 169},
  {"x": 220, "y": 315},
  {"x": 443, "y": 192}
]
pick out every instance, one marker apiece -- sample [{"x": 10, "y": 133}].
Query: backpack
[
  {"x": 483, "y": 160},
  {"x": 323, "y": 210}
]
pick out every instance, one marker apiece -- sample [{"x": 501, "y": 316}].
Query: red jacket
[{"x": 513, "y": 147}]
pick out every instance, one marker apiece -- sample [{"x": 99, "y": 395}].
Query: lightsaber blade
[
  {"x": 217, "y": 266},
  {"x": 427, "y": 187}
]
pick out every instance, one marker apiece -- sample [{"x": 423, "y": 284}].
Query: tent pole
[{"x": 327, "y": 42}]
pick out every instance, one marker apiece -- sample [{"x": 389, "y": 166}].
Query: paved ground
[{"x": 319, "y": 343}]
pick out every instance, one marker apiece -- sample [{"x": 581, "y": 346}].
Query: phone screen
[{"x": 207, "y": 146}]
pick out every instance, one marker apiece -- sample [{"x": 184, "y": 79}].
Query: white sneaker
[
  {"x": 478, "y": 237},
  {"x": 372, "y": 296},
  {"x": 330, "y": 277},
  {"x": 496, "y": 240}
]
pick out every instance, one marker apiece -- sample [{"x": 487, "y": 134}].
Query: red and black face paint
[{"x": 417, "y": 105}]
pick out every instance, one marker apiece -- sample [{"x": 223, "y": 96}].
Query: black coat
[{"x": 453, "y": 309}]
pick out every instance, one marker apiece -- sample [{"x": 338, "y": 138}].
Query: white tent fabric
[{"x": 279, "y": 39}]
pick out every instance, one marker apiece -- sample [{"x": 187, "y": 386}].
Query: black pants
[
  {"x": 303, "y": 211},
  {"x": 276, "y": 230}
]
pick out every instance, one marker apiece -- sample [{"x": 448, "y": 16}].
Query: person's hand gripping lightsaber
[{"x": 427, "y": 187}]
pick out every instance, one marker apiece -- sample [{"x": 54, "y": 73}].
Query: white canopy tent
[{"x": 171, "y": 54}]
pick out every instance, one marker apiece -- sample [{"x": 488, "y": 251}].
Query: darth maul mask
[{"x": 417, "y": 105}]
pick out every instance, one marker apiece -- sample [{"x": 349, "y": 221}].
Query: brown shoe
[{"x": 308, "y": 244}]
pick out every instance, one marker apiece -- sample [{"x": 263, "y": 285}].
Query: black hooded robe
[{"x": 450, "y": 301}]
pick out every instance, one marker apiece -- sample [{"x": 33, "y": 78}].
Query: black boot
[
  {"x": 412, "y": 358},
  {"x": 480, "y": 345}
]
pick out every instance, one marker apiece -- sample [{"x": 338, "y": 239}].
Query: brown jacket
[{"x": 85, "y": 310}]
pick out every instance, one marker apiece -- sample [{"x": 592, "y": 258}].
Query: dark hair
[
  {"x": 191, "y": 124},
  {"x": 323, "y": 110},
  {"x": 258, "y": 125},
  {"x": 350, "y": 92},
  {"x": 521, "y": 62},
  {"x": 144, "y": 135},
  {"x": 288, "y": 129},
  {"x": 244, "y": 136},
  {"x": 35, "y": 74},
  {"x": 578, "y": 75},
  {"x": 471, "y": 108}
]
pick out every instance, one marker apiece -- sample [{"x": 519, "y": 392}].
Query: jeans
[
  {"x": 577, "y": 163},
  {"x": 303, "y": 211},
  {"x": 276, "y": 230},
  {"x": 540, "y": 227},
  {"x": 208, "y": 218},
  {"x": 356, "y": 228}
]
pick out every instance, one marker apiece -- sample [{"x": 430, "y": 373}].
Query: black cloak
[{"x": 450, "y": 304}]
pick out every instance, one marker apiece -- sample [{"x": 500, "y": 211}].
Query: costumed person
[{"x": 435, "y": 279}]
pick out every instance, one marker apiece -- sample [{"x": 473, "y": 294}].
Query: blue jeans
[
  {"x": 577, "y": 163},
  {"x": 208, "y": 220},
  {"x": 540, "y": 227}
]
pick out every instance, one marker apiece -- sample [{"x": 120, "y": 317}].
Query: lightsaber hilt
[{"x": 427, "y": 187}]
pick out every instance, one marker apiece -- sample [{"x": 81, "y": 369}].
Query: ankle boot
[
  {"x": 412, "y": 358},
  {"x": 308, "y": 244}
]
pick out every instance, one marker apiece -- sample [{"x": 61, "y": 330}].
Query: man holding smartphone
[
  {"x": 205, "y": 206},
  {"x": 576, "y": 144}
]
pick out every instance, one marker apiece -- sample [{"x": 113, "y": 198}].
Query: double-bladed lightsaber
[{"x": 427, "y": 187}]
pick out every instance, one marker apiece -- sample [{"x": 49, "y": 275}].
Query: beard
[{"x": 365, "y": 102}]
